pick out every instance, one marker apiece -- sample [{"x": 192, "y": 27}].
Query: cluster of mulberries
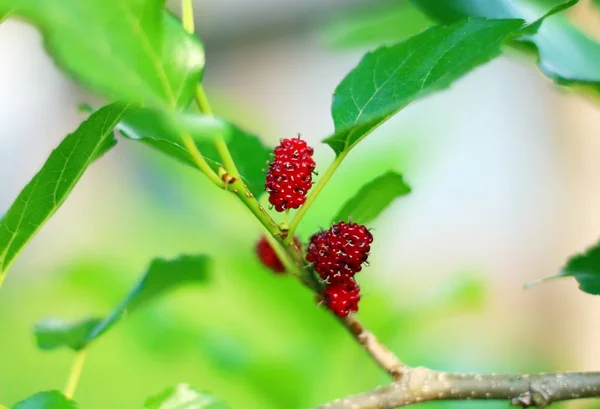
[
  {"x": 290, "y": 174},
  {"x": 337, "y": 255}
]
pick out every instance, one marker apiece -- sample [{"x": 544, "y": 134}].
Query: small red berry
[
  {"x": 339, "y": 251},
  {"x": 268, "y": 257},
  {"x": 342, "y": 297},
  {"x": 290, "y": 174}
]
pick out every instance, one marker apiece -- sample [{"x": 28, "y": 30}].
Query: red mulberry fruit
[
  {"x": 290, "y": 174},
  {"x": 340, "y": 251},
  {"x": 268, "y": 257},
  {"x": 342, "y": 297}
]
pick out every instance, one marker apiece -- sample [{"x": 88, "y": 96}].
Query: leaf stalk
[{"x": 75, "y": 374}]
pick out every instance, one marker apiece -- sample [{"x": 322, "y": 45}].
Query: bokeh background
[{"x": 505, "y": 182}]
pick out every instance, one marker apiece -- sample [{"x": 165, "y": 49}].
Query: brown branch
[
  {"x": 379, "y": 352},
  {"x": 422, "y": 384}
]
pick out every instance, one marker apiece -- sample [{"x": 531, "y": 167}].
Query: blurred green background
[{"x": 444, "y": 286}]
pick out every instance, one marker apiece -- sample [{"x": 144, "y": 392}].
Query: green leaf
[
  {"x": 373, "y": 198},
  {"x": 375, "y": 24},
  {"x": 144, "y": 123},
  {"x": 585, "y": 267},
  {"x": 564, "y": 53},
  {"x": 247, "y": 150},
  {"x": 52, "y": 333},
  {"x": 390, "y": 78},
  {"x": 162, "y": 276},
  {"x": 183, "y": 396},
  {"x": 46, "y": 400},
  {"x": 531, "y": 11},
  {"x": 49, "y": 188},
  {"x": 126, "y": 49}
]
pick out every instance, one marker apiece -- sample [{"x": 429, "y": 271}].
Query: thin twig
[
  {"x": 385, "y": 358},
  {"x": 422, "y": 385}
]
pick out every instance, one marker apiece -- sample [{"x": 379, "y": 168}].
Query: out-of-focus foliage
[
  {"x": 184, "y": 397},
  {"x": 47, "y": 191},
  {"x": 375, "y": 24},
  {"x": 46, "y": 400},
  {"x": 162, "y": 276},
  {"x": 247, "y": 150},
  {"x": 564, "y": 52},
  {"x": 389, "y": 78},
  {"x": 126, "y": 49},
  {"x": 250, "y": 337},
  {"x": 256, "y": 339},
  {"x": 373, "y": 198}
]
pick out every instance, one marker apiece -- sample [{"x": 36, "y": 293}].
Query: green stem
[
  {"x": 313, "y": 195},
  {"x": 202, "y": 100},
  {"x": 199, "y": 160},
  {"x": 187, "y": 15},
  {"x": 241, "y": 191},
  {"x": 283, "y": 255},
  {"x": 287, "y": 259},
  {"x": 74, "y": 375},
  {"x": 238, "y": 187}
]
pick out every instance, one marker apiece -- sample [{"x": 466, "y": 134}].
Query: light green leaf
[
  {"x": 531, "y": 11},
  {"x": 564, "y": 53},
  {"x": 162, "y": 276},
  {"x": 47, "y": 191},
  {"x": 373, "y": 198},
  {"x": 125, "y": 49},
  {"x": 375, "y": 24},
  {"x": 247, "y": 150},
  {"x": 389, "y": 78},
  {"x": 585, "y": 267},
  {"x": 143, "y": 123},
  {"x": 183, "y": 396},
  {"x": 46, "y": 400}
]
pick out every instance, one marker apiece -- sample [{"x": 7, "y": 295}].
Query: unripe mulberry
[
  {"x": 340, "y": 251},
  {"x": 342, "y": 297},
  {"x": 290, "y": 174},
  {"x": 268, "y": 257}
]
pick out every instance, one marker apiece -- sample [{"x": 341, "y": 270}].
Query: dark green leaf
[
  {"x": 376, "y": 24},
  {"x": 183, "y": 396},
  {"x": 46, "y": 192},
  {"x": 46, "y": 400},
  {"x": 247, "y": 150},
  {"x": 564, "y": 53},
  {"x": 126, "y": 49},
  {"x": 373, "y": 198},
  {"x": 161, "y": 276},
  {"x": 585, "y": 268},
  {"x": 390, "y": 78}
]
